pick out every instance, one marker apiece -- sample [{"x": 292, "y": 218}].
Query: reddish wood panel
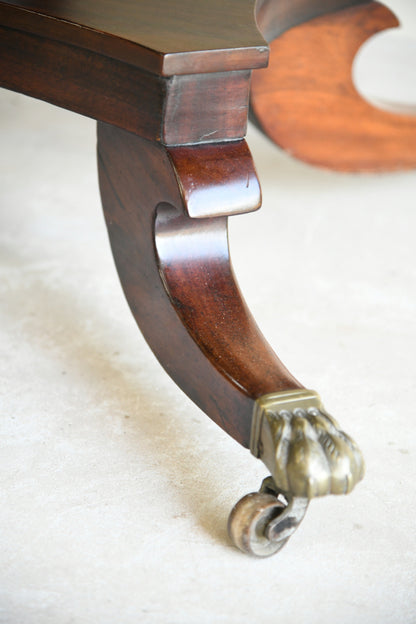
[
  {"x": 307, "y": 103},
  {"x": 274, "y": 17},
  {"x": 161, "y": 36},
  {"x": 178, "y": 280}
]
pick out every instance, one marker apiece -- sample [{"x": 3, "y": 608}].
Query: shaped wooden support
[
  {"x": 306, "y": 100},
  {"x": 170, "y": 90},
  {"x": 176, "y": 273}
]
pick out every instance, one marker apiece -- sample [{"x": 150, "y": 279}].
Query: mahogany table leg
[
  {"x": 177, "y": 277},
  {"x": 167, "y": 189}
]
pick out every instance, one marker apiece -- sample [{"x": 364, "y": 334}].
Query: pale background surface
[{"x": 115, "y": 488}]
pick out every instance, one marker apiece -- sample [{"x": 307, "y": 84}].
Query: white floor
[{"x": 115, "y": 488}]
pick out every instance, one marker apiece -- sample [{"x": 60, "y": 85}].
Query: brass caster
[{"x": 261, "y": 523}]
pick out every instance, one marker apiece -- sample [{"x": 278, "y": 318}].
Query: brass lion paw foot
[{"x": 308, "y": 456}]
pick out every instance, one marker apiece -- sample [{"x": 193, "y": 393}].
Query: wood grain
[
  {"x": 177, "y": 277},
  {"x": 157, "y": 108},
  {"x": 160, "y": 36},
  {"x": 82, "y": 81},
  {"x": 307, "y": 103},
  {"x": 274, "y": 17},
  {"x": 166, "y": 207},
  {"x": 216, "y": 180}
]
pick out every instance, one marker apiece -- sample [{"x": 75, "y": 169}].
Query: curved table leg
[
  {"x": 166, "y": 200},
  {"x": 306, "y": 100},
  {"x": 166, "y": 211},
  {"x": 177, "y": 276}
]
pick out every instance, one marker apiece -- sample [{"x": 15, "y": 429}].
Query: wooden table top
[{"x": 161, "y": 36}]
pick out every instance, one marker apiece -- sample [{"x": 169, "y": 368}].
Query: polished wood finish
[
  {"x": 163, "y": 109},
  {"x": 67, "y": 76},
  {"x": 216, "y": 180},
  {"x": 223, "y": 98},
  {"x": 170, "y": 173},
  {"x": 161, "y": 36},
  {"x": 307, "y": 103},
  {"x": 176, "y": 271},
  {"x": 145, "y": 67},
  {"x": 169, "y": 85}
]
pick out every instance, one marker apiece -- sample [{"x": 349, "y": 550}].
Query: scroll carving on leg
[
  {"x": 166, "y": 210},
  {"x": 170, "y": 91}
]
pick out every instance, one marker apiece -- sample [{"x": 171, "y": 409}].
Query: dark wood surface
[
  {"x": 176, "y": 272},
  {"x": 67, "y": 76},
  {"x": 165, "y": 207},
  {"x": 161, "y": 36},
  {"x": 39, "y": 60},
  {"x": 216, "y": 180},
  {"x": 157, "y": 108},
  {"x": 307, "y": 103},
  {"x": 172, "y": 171}
]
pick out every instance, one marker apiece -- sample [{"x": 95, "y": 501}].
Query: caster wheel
[
  {"x": 261, "y": 523},
  {"x": 248, "y": 523}
]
